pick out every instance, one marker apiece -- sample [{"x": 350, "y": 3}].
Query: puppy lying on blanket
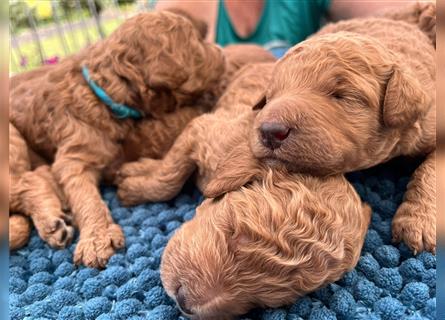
[
  {"x": 264, "y": 244},
  {"x": 152, "y": 138},
  {"x": 36, "y": 192},
  {"x": 357, "y": 94},
  {"x": 77, "y": 116}
]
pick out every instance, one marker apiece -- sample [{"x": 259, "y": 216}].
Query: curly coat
[
  {"x": 265, "y": 244},
  {"x": 149, "y": 137},
  {"x": 155, "y": 62},
  {"x": 357, "y": 94},
  {"x": 195, "y": 148}
]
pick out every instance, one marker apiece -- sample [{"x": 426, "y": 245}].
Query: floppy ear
[
  {"x": 239, "y": 168},
  {"x": 128, "y": 74},
  {"x": 405, "y": 100},
  {"x": 151, "y": 86},
  {"x": 261, "y": 103}
]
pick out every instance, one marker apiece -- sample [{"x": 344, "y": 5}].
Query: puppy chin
[{"x": 270, "y": 157}]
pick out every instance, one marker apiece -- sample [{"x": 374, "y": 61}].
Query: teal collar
[{"x": 121, "y": 111}]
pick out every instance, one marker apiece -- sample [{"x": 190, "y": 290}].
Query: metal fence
[{"x": 69, "y": 26}]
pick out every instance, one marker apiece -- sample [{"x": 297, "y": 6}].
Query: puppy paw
[
  {"x": 415, "y": 227},
  {"x": 57, "y": 231},
  {"x": 95, "y": 249},
  {"x": 142, "y": 167}
]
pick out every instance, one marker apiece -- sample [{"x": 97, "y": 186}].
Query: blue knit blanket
[{"x": 388, "y": 282}]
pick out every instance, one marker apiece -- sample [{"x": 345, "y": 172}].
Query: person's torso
[{"x": 281, "y": 24}]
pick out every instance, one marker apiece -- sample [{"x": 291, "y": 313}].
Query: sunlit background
[{"x": 43, "y": 32}]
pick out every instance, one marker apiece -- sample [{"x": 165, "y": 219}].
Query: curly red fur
[
  {"x": 357, "y": 94},
  {"x": 265, "y": 244},
  {"x": 146, "y": 64},
  {"x": 155, "y": 62}
]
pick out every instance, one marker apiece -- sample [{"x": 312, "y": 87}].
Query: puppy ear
[
  {"x": 132, "y": 83},
  {"x": 261, "y": 103},
  {"x": 405, "y": 101},
  {"x": 239, "y": 168}
]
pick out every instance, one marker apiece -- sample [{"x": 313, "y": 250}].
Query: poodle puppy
[
  {"x": 148, "y": 137},
  {"x": 200, "y": 145},
  {"x": 357, "y": 94},
  {"x": 154, "y": 62},
  {"x": 265, "y": 244},
  {"x": 152, "y": 138}
]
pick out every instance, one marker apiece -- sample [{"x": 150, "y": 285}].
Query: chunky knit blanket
[{"x": 388, "y": 282}]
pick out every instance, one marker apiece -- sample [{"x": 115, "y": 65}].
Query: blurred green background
[{"x": 44, "y": 31}]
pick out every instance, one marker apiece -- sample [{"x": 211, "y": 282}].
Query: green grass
[
  {"x": 52, "y": 46},
  {"x": 75, "y": 16}
]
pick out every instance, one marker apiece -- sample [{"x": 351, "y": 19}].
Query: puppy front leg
[
  {"x": 35, "y": 194},
  {"x": 162, "y": 179},
  {"x": 99, "y": 235},
  {"x": 415, "y": 220},
  {"x": 43, "y": 203}
]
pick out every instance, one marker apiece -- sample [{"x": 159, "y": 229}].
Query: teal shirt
[{"x": 283, "y": 23}]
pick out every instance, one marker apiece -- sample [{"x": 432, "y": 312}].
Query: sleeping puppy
[
  {"x": 76, "y": 117},
  {"x": 203, "y": 145},
  {"x": 149, "y": 137},
  {"x": 265, "y": 244},
  {"x": 152, "y": 138},
  {"x": 357, "y": 94}
]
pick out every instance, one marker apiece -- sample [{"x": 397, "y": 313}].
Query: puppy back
[{"x": 421, "y": 14}]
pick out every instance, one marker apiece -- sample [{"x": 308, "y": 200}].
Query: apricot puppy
[
  {"x": 357, "y": 94},
  {"x": 154, "y": 63},
  {"x": 265, "y": 244},
  {"x": 204, "y": 145},
  {"x": 149, "y": 137}
]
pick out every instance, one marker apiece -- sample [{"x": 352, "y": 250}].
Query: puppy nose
[
  {"x": 273, "y": 134},
  {"x": 182, "y": 301}
]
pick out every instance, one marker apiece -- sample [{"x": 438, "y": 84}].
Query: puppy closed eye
[
  {"x": 339, "y": 89},
  {"x": 262, "y": 101},
  {"x": 337, "y": 95},
  {"x": 349, "y": 97}
]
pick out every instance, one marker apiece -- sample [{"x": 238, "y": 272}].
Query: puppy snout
[
  {"x": 273, "y": 134},
  {"x": 181, "y": 299}
]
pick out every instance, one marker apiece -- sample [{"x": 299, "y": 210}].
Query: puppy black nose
[
  {"x": 182, "y": 301},
  {"x": 273, "y": 134}
]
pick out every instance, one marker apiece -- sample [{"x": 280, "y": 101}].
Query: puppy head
[
  {"x": 336, "y": 103},
  {"x": 264, "y": 245},
  {"x": 156, "y": 61},
  {"x": 199, "y": 24}
]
